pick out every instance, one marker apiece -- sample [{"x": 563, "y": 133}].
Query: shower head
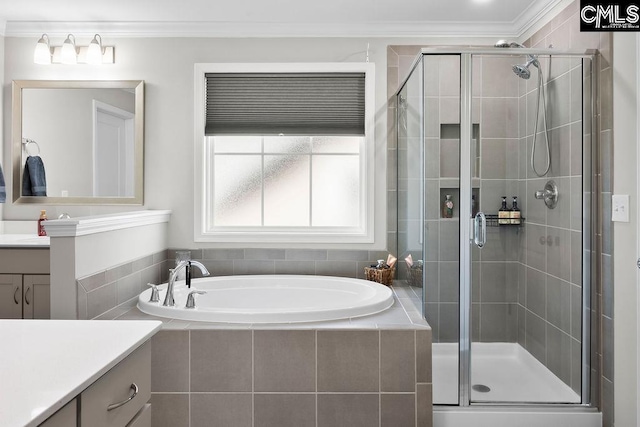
[
  {"x": 522, "y": 70},
  {"x": 507, "y": 43}
]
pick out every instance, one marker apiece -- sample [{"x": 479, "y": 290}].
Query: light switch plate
[{"x": 620, "y": 207}]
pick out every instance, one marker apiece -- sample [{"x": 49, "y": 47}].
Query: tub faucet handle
[
  {"x": 191, "y": 300},
  {"x": 155, "y": 293}
]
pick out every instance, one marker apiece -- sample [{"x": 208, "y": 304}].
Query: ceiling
[{"x": 273, "y": 17}]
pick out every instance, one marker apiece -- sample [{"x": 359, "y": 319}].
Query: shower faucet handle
[
  {"x": 191, "y": 300},
  {"x": 155, "y": 293},
  {"x": 549, "y": 194}
]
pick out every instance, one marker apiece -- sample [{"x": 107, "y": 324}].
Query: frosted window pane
[
  {"x": 287, "y": 144},
  {"x": 238, "y": 190},
  {"x": 337, "y": 144},
  {"x": 237, "y": 144},
  {"x": 336, "y": 191},
  {"x": 286, "y": 191}
]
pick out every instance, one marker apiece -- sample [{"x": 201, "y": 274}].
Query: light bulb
[
  {"x": 42, "y": 53},
  {"x": 94, "y": 51},
  {"x": 69, "y": 55}
]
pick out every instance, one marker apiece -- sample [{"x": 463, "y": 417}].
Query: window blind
[{"x": 285, "y": 103}]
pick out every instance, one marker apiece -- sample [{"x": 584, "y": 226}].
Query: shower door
[
  {"x": 507, "y": 299},
  {"x": 527, "y": 278}
]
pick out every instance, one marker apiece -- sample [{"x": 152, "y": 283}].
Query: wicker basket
[
  {"x": 380, "y": 275},
  {"x": 415, "y": 276}
]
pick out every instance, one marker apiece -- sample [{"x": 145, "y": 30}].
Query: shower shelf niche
[{"x": 492, "y": 221}]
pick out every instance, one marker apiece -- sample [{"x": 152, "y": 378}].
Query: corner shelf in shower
[{"x": 492, "y": 221}]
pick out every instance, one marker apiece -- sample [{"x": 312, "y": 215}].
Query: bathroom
[{"x": 166, "y": 65}]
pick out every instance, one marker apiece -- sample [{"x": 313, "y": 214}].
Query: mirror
[{"x": 87, "y": 137}]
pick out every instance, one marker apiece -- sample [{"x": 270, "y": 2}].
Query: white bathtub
[{"x": 272, "y": 299}]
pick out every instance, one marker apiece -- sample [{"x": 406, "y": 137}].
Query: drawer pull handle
[
  {"x": 15, "y": 295},
  {"x": 113, "y": 406},
  {"x": 26, "y": 296}
]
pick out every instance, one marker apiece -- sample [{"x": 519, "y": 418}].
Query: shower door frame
[{"x": 589, "y": 258}]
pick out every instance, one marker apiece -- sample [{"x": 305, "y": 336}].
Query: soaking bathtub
[{"x": 272, "y": 299}]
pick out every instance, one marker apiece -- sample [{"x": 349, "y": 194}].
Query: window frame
[{"x": 202, "y": 175}]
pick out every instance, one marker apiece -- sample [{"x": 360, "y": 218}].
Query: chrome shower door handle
[{"x": 480, "y": 230}]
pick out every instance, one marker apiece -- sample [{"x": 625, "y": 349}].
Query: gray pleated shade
[{"x": 285, "y": 103}]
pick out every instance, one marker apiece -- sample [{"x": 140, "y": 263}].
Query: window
[{"x": 285, "y": 153}]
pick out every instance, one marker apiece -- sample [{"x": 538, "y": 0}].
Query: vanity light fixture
[
  {"x": 70, "y": 53},
  {"x": 95, "y": 51},
  {"x": 42, "y": 54}
]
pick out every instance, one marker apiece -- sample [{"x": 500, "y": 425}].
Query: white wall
[
  {"x": 625, "y": 173},
  {"x": 5, "y": 167},
  {"x": 166, "y": 65}
]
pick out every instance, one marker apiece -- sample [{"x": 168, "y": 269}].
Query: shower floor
[{"x": 510, "y": 372}]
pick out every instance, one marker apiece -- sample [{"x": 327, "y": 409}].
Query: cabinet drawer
[
  {"x": 143, "y": 418},
  {"x": 65, "y": 417},
  {"x": 115, "y": 387}
]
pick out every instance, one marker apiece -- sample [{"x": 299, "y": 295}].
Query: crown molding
[
  {"x": 514, "y": 29},
  {"x": 260, "y": 29}
]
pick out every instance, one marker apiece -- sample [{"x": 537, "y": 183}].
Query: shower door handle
[{"x": 480, "y": 230}]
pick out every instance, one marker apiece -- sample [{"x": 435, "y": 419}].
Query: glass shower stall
[{"x": 494, "y": 226}]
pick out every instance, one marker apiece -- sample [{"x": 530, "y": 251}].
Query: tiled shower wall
[
  {"x": 550, "y": 269},
  {"x": 563, "y": 32}
]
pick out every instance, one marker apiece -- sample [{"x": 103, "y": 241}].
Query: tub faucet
[{"x": 168, "y": 299}]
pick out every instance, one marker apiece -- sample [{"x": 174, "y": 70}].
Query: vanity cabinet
[
  {"x": 25, "y": 296},
  {"x": 24, "y": 284},
  {"x": 111, "y": 401}
]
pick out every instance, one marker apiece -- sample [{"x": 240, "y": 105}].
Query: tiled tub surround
[
  {"x": 115, "y": 290},
  {"x": 367, "y": 371}
]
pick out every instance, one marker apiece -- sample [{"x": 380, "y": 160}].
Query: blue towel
[
  {"x": 3, "y": 189},
  {"x": 34, "y": 181}
]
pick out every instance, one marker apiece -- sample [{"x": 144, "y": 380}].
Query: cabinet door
[
  {"x": 10, "y": 296},
  {"x": 37, "y": 296}
]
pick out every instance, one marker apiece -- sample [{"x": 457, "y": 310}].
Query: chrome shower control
[{"x": 549, "y": 194}]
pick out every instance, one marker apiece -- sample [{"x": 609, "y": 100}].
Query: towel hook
[{"x": 26, "y": 142}]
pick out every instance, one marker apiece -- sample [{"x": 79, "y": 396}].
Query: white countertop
[
  {"x": 23, "y": 241},
  {"x": 46, "y": 363}
]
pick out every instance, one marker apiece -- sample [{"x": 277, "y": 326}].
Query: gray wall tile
[
  {"x": 169, "y": 354},
  {"x": 169, "y": 410},
  {"x": 306, "y": 254},
  {"x": 101, "y": 299},
  {"x": 398, "y": 410},
  {"x": 536, "y": 336},
  {"x": 263, "y": 254},
  {"x": 221, "y": 410},
  {"x": 424, "y": 356},
  {"x": 348, "y": 410},
  {"x": 536, "y": 292},
  {"x": 397, "y": 361},
  {"x": 348, "y": 361},
  {"x": 559, "y": 353},
  {"x": 241, "y": 267},
  {"x": 424, "y": 405},
  {"x": 221, "y": 360},
  {"x": 285, "y": 361},
  {"x": 284, "y": 410},
  {"x": 559, "y": 303}
]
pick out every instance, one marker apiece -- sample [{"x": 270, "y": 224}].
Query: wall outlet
[{"x": 620, "y": 207}]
